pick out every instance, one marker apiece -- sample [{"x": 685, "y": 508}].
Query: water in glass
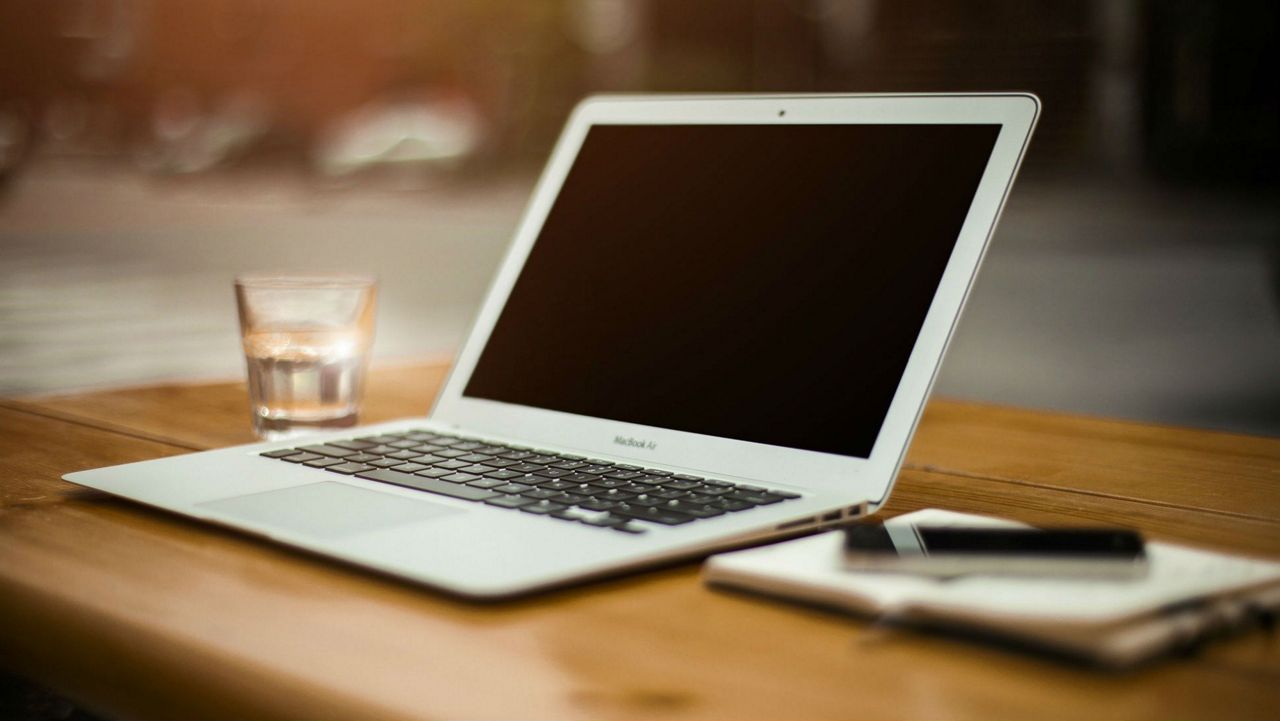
[{"x": 304, "y": 379}]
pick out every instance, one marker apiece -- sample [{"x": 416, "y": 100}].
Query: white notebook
[{"x": 1187, "y": 594}]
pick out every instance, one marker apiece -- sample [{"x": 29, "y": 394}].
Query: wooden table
[{"x": 140, "y": 613}]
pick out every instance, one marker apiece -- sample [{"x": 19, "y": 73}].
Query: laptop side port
[
  {"x": 832, "y": 516},
  {"x": 798, "y": 523}
]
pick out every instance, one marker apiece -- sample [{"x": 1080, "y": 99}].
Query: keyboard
[{"x": 591, "y": 491}]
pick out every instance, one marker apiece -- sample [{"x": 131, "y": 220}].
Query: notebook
[
  {"x": 718, "y": 321},
  {"x": 1187, "y": 595}
]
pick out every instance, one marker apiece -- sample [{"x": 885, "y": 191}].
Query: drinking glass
[{"x": 306, "y": 343}]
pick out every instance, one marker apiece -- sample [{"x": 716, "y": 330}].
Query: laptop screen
[{"x": 762, "y": 283}]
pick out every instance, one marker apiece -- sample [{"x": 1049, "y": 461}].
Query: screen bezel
[{"x": 862, "y": 479}]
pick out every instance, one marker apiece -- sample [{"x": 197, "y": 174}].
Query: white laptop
[{"x": 718, "y": 322}]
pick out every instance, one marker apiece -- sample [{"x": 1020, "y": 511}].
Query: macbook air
[{"x": 718, "y": 321}]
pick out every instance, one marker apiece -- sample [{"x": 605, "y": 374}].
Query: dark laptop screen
[{"x": 763, "y": 283}]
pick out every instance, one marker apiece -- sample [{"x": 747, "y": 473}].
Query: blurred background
[{"x": 151, "y": 149}]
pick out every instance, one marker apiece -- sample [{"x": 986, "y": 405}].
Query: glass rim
[{"x": 306, "y": 281}]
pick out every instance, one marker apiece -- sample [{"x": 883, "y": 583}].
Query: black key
[
  {"x": 486, "y": 483},
  {"x": 686, "y": 477},
  {"x": 730, "y": 504},
  {"x": 385, "y": 438},
  {"x": 567, "y": 457},
  {"x": 381, "y": 450},
  {"x": 752, "y": 489},
  {"x": 353, "y": 445},
  {"x": 568, "y": 465},
  {"x": 508, "y": 501},
  {"x": 599, "y": 462},
  {"x": 571, "y": 499},
  {"x": 592, "y": 489},
  {"x": 428, "y": 459},
  {"x": 627, "y": 467},
  {"x": 451, "y": 453},
  {"x": 597, "y": 505},
  {"x": 452, "y": 465},
  {"x": 421, "y": 436},
  {"x": 403, "y": 444},
  {"x": 541, "y": 460},
  {"x": 552, "y": 473},
  {"x": 680, "y": 485},
  {"x": 629, "y": 528},
  {"x": 697, "y": 510},
  {"x": 302, "y": 457},
  {"x": 504, "y": 475},
  {"x": 348, "y": 469},
  {"x": 323, "y": 462},
  {"x": 609, "y": 483},
  {"x": 755, "y": 499},
  {"x": 657, "y": 472},
  {"x": 279, "y": 453},
  {"x": 385, "y": 462},
  {"x": 710, "y": 490},
  {"x": 786, "y": 495},
  {"x": 595, "y": 470},
  {"x": 646, "y": 501},
  {"x": 668, "y": 494},
  {"x": 557, "y": 485},
  {"x": 516, "y": 455},
  {"x": 408, "y": 467},
  {"x": 513, "y": 488},
  {"x": 542, "y": 507},
  {"x": 614, "y": 494},
  {"x": 475, "y": 458},
  {"x": 404, "y": 455},
  {"x": 717, "y": 484},
  {"x": 540, "y": 493},
  {"x": 331, "y": 451},
  {"x": 460, "y": 478},
  {"x": 427, "y": 448},
  {"x": 362, "y": 458},
  {"x": 699, "y": 498},
  {"x": 435, "y": 472},
  {"x": 651, "y": 480},
  {"x": 430, "y": 485},
  {"x": 446, "y": 441},
  {"x": 525, "y": 467},
  {"x": 475, "y": 468},
  {"x": 580, "y": 477},
  {"x": 657, "y": 515},
  {"x": 499, "y": 463},
  {"x": 622, "y": 475},
  {"x": 491, "y": 450},
  {"x": 636, "y": 488},
  {"x": 468, "y": 445}
]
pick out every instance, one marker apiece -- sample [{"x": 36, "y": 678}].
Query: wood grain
[
  {"x": 1227, "y": 473},
  {"x": 1053, "y": 506},
  {"x": 142, "y": 613},
  {"x": 212, "y": 415},
  {"x": 146, "y": 614}
]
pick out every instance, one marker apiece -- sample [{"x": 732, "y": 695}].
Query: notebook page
[{"x": 1177, "y": 575}]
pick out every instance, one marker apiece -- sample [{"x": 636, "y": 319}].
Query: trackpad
[{"x": 327, "y": 509}]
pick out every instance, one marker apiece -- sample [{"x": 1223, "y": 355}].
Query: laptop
[{"x": 718, "y": 322}]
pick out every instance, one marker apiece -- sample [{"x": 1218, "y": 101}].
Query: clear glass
[{"x": 306, "y": 343}]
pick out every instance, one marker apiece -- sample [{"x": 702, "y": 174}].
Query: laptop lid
[{"x": 755, "y": 286}]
